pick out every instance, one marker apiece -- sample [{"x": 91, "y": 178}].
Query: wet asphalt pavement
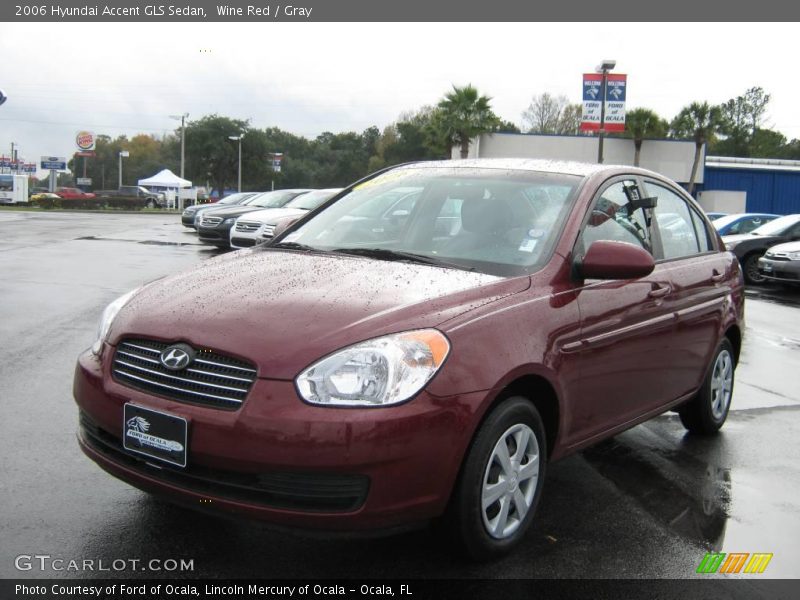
[{"x": 648, "y": 503}]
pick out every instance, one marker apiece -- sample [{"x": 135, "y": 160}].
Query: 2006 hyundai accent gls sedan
[{"x": 374, "y": 368}]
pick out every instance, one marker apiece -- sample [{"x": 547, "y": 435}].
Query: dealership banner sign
[{"x": 616, "y": 85}]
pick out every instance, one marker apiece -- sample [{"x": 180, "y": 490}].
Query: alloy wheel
[{"x": 509, "y": 481}]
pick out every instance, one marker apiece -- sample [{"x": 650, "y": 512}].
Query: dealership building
[{"x": 725, "y": 184}]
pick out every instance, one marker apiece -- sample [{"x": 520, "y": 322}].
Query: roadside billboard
[{"x": 85, "y": 141}]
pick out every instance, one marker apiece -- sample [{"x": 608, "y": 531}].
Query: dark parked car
[
  {"x": 191, "y": 213},
  {"x": 748, "y": 248},
  {"x": 352, "y": 375},
  {"x": 214, "y": 226},
  {"x": 741, "y": 223}
]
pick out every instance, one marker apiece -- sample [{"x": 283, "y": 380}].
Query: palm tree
[
  {"x": 462, "y": 114},
  {"x": 701, "y": 122},
  {"x": 641, "y": 124}
]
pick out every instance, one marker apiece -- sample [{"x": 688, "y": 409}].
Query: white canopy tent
[{"x": 170, "y": 183}]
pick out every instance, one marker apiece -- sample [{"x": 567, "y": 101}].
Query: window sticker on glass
[{"x": 528, "y": 244}]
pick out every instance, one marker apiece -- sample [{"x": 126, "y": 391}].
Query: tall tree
[
  {"x": 741, "y": 118},
  {"x": 552, "y": 114},
  {"x": 210, "y": 155},
  {"x": 640, "y": 124},
  {"x": 701, "y": 122},
  {"x": 462, "y": 115}
]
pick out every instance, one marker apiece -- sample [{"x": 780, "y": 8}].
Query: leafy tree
[
  {"x": 643, "y": 123},
  {"x": 741, "y": 117},
  {"x": 210, "y": 155},
  {"x": 507, "y": 127},
  {"x": 767, "y": 143},
  {"x": 701, "y": 122},
  {"x": 462, "y": 115}
]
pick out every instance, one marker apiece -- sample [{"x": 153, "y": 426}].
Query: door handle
[
  {"x": 716, "y": 276},
  {"x": 660, "y": 291}
]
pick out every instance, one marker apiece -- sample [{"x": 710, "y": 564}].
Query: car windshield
[
  {"x": 726, "y": 220},
  {"x": 778, "y": 226},
  {"x": 272, "y": 199},
  {"x": 490, "y": 220},
  {"x": 312, "y": 200},
  {"x": 234, "y": 198}
]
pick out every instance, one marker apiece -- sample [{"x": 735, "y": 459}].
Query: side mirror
[{"x": 614, "y": 260}]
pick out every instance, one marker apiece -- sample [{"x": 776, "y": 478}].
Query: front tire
[
  {"x": 151, "y": 203},
  {"x": 750, "y": 269},
  {"x": 500, "y": 482},
  {"x": 707, "y": 411}
]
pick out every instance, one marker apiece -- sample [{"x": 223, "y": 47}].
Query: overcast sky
[{"x": 308, "y": 78}]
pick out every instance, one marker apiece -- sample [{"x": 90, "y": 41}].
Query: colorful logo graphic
[
  {"x": 734, "y": 562},
  {"x": 85, "y": 140}
]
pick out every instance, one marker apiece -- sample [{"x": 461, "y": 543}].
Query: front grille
[
  {"x": 243, "y": 242},
  {"x": 322, "y": 492},
  {"x": 211, "y": 220},
  {"x": 269, "y": 231},
  {"x": 211, "y": 380},
  {"x": 247, "y": 226}
]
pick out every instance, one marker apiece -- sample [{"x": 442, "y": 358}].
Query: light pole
[
  {"x": 182, "y": 119},
  {"x": 604, "y": 68},
  {"x": 122, "y": 154},
  {"x": 239, "y": 139}
]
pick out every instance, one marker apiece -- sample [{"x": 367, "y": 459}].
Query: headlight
[
  {"x": 380, "y": 372},
  {"x": 731, "y": 245},
  {"x": 794, "y": 255},
  {"x": 108, "y": 317}
]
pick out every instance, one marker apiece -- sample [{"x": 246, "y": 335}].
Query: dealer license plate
[{"x": 155, "y": 434}]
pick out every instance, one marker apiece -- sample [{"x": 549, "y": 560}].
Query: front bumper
[
  {"x": 284, "y": 461},
  {"x": 217, "y": 236},
  {"x": 188, "y": 220},
  {"x": 786, "y": 271}
]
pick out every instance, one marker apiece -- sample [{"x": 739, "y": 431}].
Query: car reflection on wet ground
[{"x": 648, "y": 503}]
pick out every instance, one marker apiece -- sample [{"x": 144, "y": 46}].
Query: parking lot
[{"x": 648, "y": 503}]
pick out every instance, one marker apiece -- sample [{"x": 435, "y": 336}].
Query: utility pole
[{"x": 604, "y": 68}]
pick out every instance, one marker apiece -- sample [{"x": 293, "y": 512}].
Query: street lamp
[
  {"x": 122, "y": 154},
  {"x": 182, "y": 119},
  {"x": 238, "y": 138},
  {"x": 604, "y": 67}
]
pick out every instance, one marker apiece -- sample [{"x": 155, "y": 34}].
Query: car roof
[{"x": 565, "y": 167}]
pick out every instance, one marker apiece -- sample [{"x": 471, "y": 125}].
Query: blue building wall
[{"x": 767, "y": 190}]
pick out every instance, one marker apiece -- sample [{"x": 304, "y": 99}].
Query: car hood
[
  {"x": 285, "y": 309},
  {"x": 746, "y": 237},
  {"x": 787, "y": 247},
  {"x": 269, "y": 215},
  {"x": 234, "y": 211}
]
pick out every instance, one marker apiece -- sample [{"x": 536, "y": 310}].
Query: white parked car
[{"x": 258, "y": 227}]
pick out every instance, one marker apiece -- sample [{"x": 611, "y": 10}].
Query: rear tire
[
  {"x": 707, "y": 411},
  {"x": 500, "y": 482}
]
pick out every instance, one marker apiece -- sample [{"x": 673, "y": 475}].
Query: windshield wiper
[
  {"x": 294, "y": 246},
  {"x": 399, "y": 255}
]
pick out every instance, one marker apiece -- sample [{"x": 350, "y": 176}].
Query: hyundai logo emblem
[{"x": 177, "y": 357}]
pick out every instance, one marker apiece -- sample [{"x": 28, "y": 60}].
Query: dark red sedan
[{"x": 376, "y": 368}]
